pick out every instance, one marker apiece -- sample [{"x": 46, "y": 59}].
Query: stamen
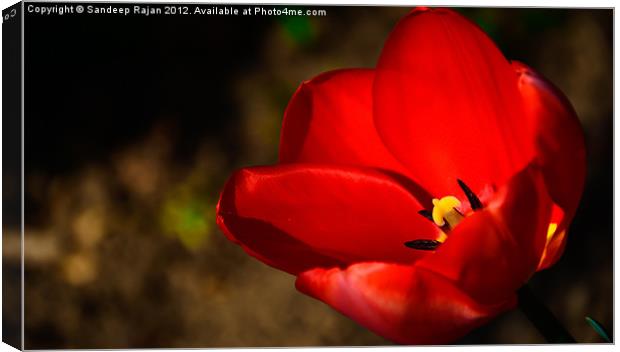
[
  {"x": 423, "y": 245},
  {"x": 473, "y": 199}
]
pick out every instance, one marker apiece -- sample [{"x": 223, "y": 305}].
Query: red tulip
[{"x": 488, "y": 151}]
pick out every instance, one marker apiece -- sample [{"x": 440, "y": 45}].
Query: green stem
[{"x": 542, "y": 318}]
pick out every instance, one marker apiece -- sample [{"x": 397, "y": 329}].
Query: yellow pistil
[{"x": 444, "y": 210}]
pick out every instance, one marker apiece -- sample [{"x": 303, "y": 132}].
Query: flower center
[{"x": 446, "y": 215}]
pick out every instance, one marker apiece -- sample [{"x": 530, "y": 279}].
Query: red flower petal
[
  {"x": 406, "y": 304},
  {"x": 561, "y": 149},
  {"x": 495, "y": 251},
  {"x": 329, "y": 120},
  {"x": 446, "y": 103},
  {"x": 350, "y": 214}
]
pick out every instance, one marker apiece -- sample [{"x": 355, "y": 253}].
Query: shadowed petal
[
  {"x": 271, "y": 245},
  {"x": 561, "y": 148}
]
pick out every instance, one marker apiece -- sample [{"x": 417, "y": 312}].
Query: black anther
[
  {"x": 423, "y": 245},
  {"x": 474, "y": 201},
  {"x": 427, "y": 214}
]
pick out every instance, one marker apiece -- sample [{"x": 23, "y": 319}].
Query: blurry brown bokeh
[{"x": 121, "y": 246}]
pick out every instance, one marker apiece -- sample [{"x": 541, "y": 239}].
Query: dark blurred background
[{"x": 134, "y": 123}]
